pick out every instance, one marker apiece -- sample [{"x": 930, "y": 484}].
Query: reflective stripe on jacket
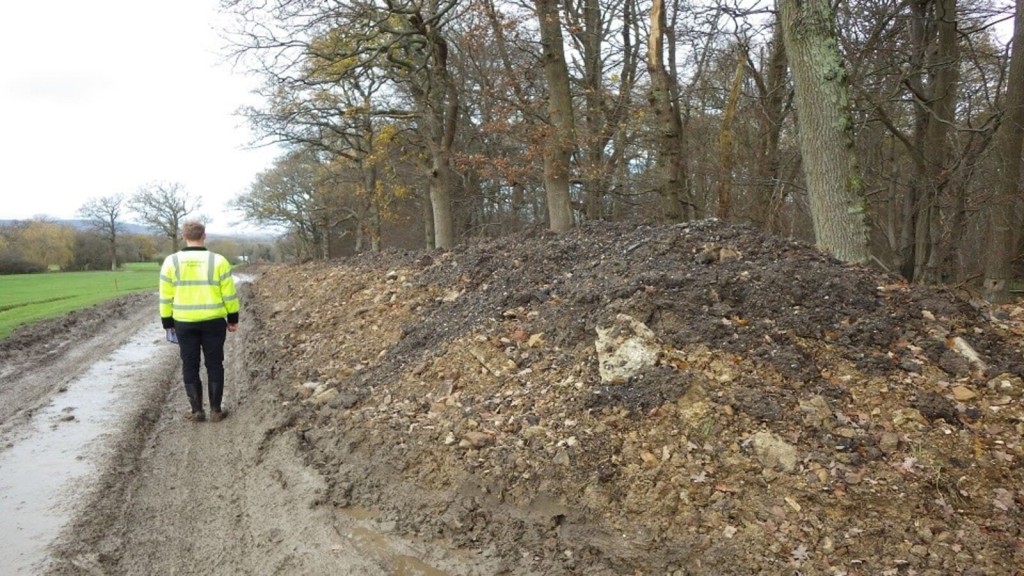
[{"x": 197, "y": 285}]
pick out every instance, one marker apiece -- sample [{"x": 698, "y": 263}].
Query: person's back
[
  {"x": 197, "y": 285},
  {"x": 199, "y": 304}
]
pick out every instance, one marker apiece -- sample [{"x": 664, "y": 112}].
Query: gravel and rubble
[{"x": 689, "y": 399}]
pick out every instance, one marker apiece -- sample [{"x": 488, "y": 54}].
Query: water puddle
[
  {"x": 410, "y": 566},
  {"x": 377, "y": 545},
  {"x": 45, "y": 471}
]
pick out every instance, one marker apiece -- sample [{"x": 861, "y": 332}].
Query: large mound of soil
[{"x": 694, "y": 399}]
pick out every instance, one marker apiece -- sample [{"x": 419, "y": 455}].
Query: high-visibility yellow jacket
[{"x": 197, "y": 285}]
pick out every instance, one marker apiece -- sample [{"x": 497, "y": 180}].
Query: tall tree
[
  {"x": 773, "y": 95},
  {"x": 664, "y": 99},
  {"x": 314, "y": 53},
  {"x": 561, "y": 139},
  {"x": 104, "y": 216},
  {"x": 437, "y": 97},
  {"x": 604, "y": 35},
  {"x": 933, "y": 82},
  {"x": 163, "y": 206},
  {"x": 1009, "y": 141},
  {"x": 825, "y": 126},
  {"x": 725, "y": 137}
]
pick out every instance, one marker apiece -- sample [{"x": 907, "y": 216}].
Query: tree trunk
[
  {"x": 441, "y": 202},
  {"x": 670, "y": 185},
  {"x": 595, "y": 120},
  {"x": 428, "y": 223},
  {"x": 941, "y": 104},
  {"x": 561, "y": 140},
  {"x": 1009, "y": 140},
  {"x": 773, "y": 93},
  {"x": 373, "y": 218},
  {"x": 113, "y": 245},
  {"x": 834, "y": 184},
  {"x": 437, "y": 98},
  {"x": 725, "y": 140},
  {"x": 933, "y": 84},
  {"x": 914, "y": 208}
]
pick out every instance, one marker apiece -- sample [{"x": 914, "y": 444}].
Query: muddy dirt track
[
  {"x": 174, "y": 497},
  {"x": 697, "y": 399}
]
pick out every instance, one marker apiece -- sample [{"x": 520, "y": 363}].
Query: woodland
[{"x": 888, "y": 132}]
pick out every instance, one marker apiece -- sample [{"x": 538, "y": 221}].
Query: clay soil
[{"x": 785, "y": 414}]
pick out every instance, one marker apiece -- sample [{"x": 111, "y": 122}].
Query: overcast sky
[{"x": 103, "y": 97}]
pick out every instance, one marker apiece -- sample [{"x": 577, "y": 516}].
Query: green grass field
[{"x": 26, "y": 298}]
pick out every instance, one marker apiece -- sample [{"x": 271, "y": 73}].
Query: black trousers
[{"x": 205, "y": 337}]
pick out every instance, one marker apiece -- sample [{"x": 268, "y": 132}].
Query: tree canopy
[{"x": 501, "y": 115}]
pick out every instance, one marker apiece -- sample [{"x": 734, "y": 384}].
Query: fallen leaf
[{"x": 800, "y": 553}]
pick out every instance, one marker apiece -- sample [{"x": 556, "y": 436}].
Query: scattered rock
[
  {"x": 905, "y": 416},
  {"x": 773, "y": 452},
  {"x": 624, "y": 349},
  {"x": 963, "y": 393},
  {"x": 816, "y": 411},
  {"x": 1007, "y": 384},
  {"x": 326, "y": 396},
  {"x": 889, "y": 442},
  {"x": 934, "y": 406},
  {"x": 344, "y": 400},
  {"x": 478, "y": 439}
]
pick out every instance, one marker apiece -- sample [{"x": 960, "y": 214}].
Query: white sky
[{"x": 103, "y": 97}]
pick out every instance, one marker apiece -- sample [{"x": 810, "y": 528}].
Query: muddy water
[
  {"x": 389, "y": 552},
  {"x": 46, "y": 469}
]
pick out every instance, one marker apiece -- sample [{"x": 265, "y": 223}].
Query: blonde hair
[{"x": 193, "y": 230}]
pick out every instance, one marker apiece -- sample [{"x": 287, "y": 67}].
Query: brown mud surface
[{"x": 694, "y": 399}]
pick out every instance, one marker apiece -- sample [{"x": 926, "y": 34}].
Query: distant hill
[
  {"x": 131, "y": 228},
  {"x": 126, "y": 227}
]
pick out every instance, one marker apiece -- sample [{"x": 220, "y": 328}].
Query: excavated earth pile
[{"x": 692, "y": 399}]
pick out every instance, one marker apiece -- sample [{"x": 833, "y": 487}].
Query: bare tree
[
  {"x": 932, "y": 83},
  {"x": 104, "y": 216},
  {"x": 664, "y": 99},
  {"x": 605, "y": 35},
  {"x": 163, "y": 206},
  {"x": 492, "y": 116},
  {"x": 773, "y": 95},
  {"x": 725, "y": 137},
  {"x": 1009, "y": 140}
]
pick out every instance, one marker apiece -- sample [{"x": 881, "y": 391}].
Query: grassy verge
[{"x": 32, "y": 297}]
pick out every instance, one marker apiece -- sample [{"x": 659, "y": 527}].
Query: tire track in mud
[
  {"x": 39, "y": 360},
  {"x": 74, "y": 435},
  {"x": 234, "y": 497}
]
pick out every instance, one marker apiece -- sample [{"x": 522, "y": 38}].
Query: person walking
[{"x": 199, "y": 306}]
